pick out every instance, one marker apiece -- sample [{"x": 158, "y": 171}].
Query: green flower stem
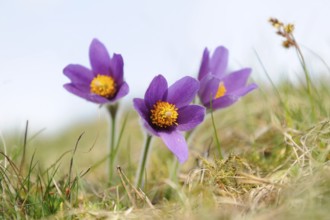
[{"x": 143, "y": 161}]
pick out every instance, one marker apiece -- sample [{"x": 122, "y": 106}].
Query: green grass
[{"x": 276, "y": 146}]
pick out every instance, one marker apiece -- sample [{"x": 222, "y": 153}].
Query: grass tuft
[{"x": 276, "y": 152}]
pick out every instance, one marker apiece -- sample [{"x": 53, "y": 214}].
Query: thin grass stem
[
  {"x": 4, "y": 148},
  {"x": 270, "y": 80},
  {"x": 307, "y": 76},
  {"x": 24, "y": 147}
]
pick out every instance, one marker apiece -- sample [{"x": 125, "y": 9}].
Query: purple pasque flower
[
  {"x": 104, "y": 83},
  {"x": 165, "y": 111},
  {"x": 216, "y": 85}
]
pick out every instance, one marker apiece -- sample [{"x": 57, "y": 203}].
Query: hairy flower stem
[
  {"x": 112, "y": 152},
  {"x": 143, "y": 161},
  {"x": 112, "y": 145},
  {"x": 217, "y": 142},
  {"x": 174, "y": 170}
]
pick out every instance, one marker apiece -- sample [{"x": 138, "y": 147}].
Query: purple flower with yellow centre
[
  {"x": 104, "y": 82},
  {"x": 217, "y": 85},
  {"x": 165, "y": 112}
]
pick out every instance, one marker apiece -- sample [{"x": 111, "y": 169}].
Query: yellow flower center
[
  {"x": 103, "y": 85},
  {"x": 221, "y": 90},
  {"x": 164, "y": 114}
]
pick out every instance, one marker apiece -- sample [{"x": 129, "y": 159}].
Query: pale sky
[{"x": 38, "y": 38}]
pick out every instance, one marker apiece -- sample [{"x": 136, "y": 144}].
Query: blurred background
[{"x": 38, "y": 38}]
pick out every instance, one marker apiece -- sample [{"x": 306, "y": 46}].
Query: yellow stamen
[
  {"x": 164, "y": 114},
  {"x": 221, "y": 90},
  {"x": 103, "y": 85}
]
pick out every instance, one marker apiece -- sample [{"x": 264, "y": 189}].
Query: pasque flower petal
[
  {"x": 237, "y": 79},
  {"x": 140, "y": 106},
  {"x": 99, "y": 58},
  {"x": 219, "y": 61},
  {"x": 205, "y": 65},
  {"x": 245, "y": 90},
  {"x": 78, "y": 74},
  {"x": 156, "y": 91},
  {"x": 117, "y": 68},
  {"x": 86, "y": 95},
  {"x": 123, "y": 90},
  {"x": 183, "y": 91},
  {"x": 223, "y": 102},
  {"x": 190, "y": 116},
  {"x": 176, "y": 143},
  {"x": 208, "y": 88}
]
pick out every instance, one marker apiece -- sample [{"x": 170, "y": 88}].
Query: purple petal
[
  {"x": 99, "y": 58},
  {"x": 73, "y": 89},
  {"x": 150, "y": 129},
  {"x": 156, "y": 91},
  {"x": 223, "y": 102},
  {"x": 183, "y": 91},
  {"x": 243, "y": 91},
  {"x": 208, "y": 88},
  {"x": 122, "y": 91},
  {"x": 236, "y": 80},
  {"x": 86, "y": 95},
  {"x": 219, "y": 61},
  {"x": 204, "y": 69},
  {"x": 143, "y": 111},
  {"x": 231, "y": 98},
  {"x": 176, "y": 143},
  {"x": 190, "y": 116},
  {"x": 78, "y": 74},
  {"x": 141, "y": 108},
  {"x": 117, "y": 68},
  {"x": 97, "y": 99}
]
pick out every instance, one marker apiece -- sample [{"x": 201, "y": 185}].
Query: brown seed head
[
  {"x": 289, "y": 28},
  {"x": 287, "y": 44}
]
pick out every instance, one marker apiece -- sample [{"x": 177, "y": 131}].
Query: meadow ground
[{"x": 275, "y": 141}]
